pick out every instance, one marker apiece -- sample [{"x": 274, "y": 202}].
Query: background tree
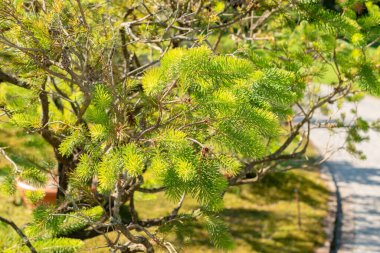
[{"x": 181, "y": 97}]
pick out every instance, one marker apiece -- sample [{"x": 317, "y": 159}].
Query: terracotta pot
[{"x": 50, "y": 193}]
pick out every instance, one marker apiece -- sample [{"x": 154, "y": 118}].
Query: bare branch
[
  {"x": 20, "y": 233},
  {"x": 16, "y": 168}
]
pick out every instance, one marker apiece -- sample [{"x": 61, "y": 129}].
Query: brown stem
[
  {"x": 151, "y": 190},
  {"x": 65, "y": 166},
  {"x": 124, "y": 50},
  {"x": 4, "y": 77},
  {"x": 62, "y": 181},
  {"x": 82, "y": 13}
]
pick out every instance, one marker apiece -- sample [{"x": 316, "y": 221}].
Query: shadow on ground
[{"x": 263, "y": 217}]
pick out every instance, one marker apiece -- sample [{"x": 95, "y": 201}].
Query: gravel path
[{"x": 358, "y": 182}]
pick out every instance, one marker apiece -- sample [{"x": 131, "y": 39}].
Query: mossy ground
[{"x": 262, "y": 217}]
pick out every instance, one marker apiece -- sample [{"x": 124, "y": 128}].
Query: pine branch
[
  {"x": 48, "y": 135},
  {"x": 65, "y": 96},
  {"x": 82, "y": 14},
  {"x": 235, "y": 20},
  {"x": 44, "y": 105},
  {"x": 124, "y": 50},
  {"x": 4, "y": 77},
  {"x": 20, "y": 233},
  {"x": 151, "y": 190},
  {"x": 131, "y": 248},
  {"x": 161, "y": 220}
]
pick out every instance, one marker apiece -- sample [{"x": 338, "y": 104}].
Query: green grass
[{"x": 261, "y": 217}]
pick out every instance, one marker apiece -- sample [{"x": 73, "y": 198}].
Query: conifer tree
[{"x": 181, "y": 97}]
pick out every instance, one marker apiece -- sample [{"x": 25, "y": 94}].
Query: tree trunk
[
  {"x": 62, "y": 181},
  {"x": 65, "y": 166}
]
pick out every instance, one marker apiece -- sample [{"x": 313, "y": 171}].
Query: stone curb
[{"x": 329, "y": 222}]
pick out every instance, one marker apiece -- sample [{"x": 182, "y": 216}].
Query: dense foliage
[{"x": 181, "y": 97}]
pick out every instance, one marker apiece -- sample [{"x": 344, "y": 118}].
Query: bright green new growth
[
  {"x": 133, "y": 160},
  {"x": 57, "y": 245},
  {"x": 205, "y": 121},
  {"x": 139, "y": 97},
  {"x": 213, "y": 111}
]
